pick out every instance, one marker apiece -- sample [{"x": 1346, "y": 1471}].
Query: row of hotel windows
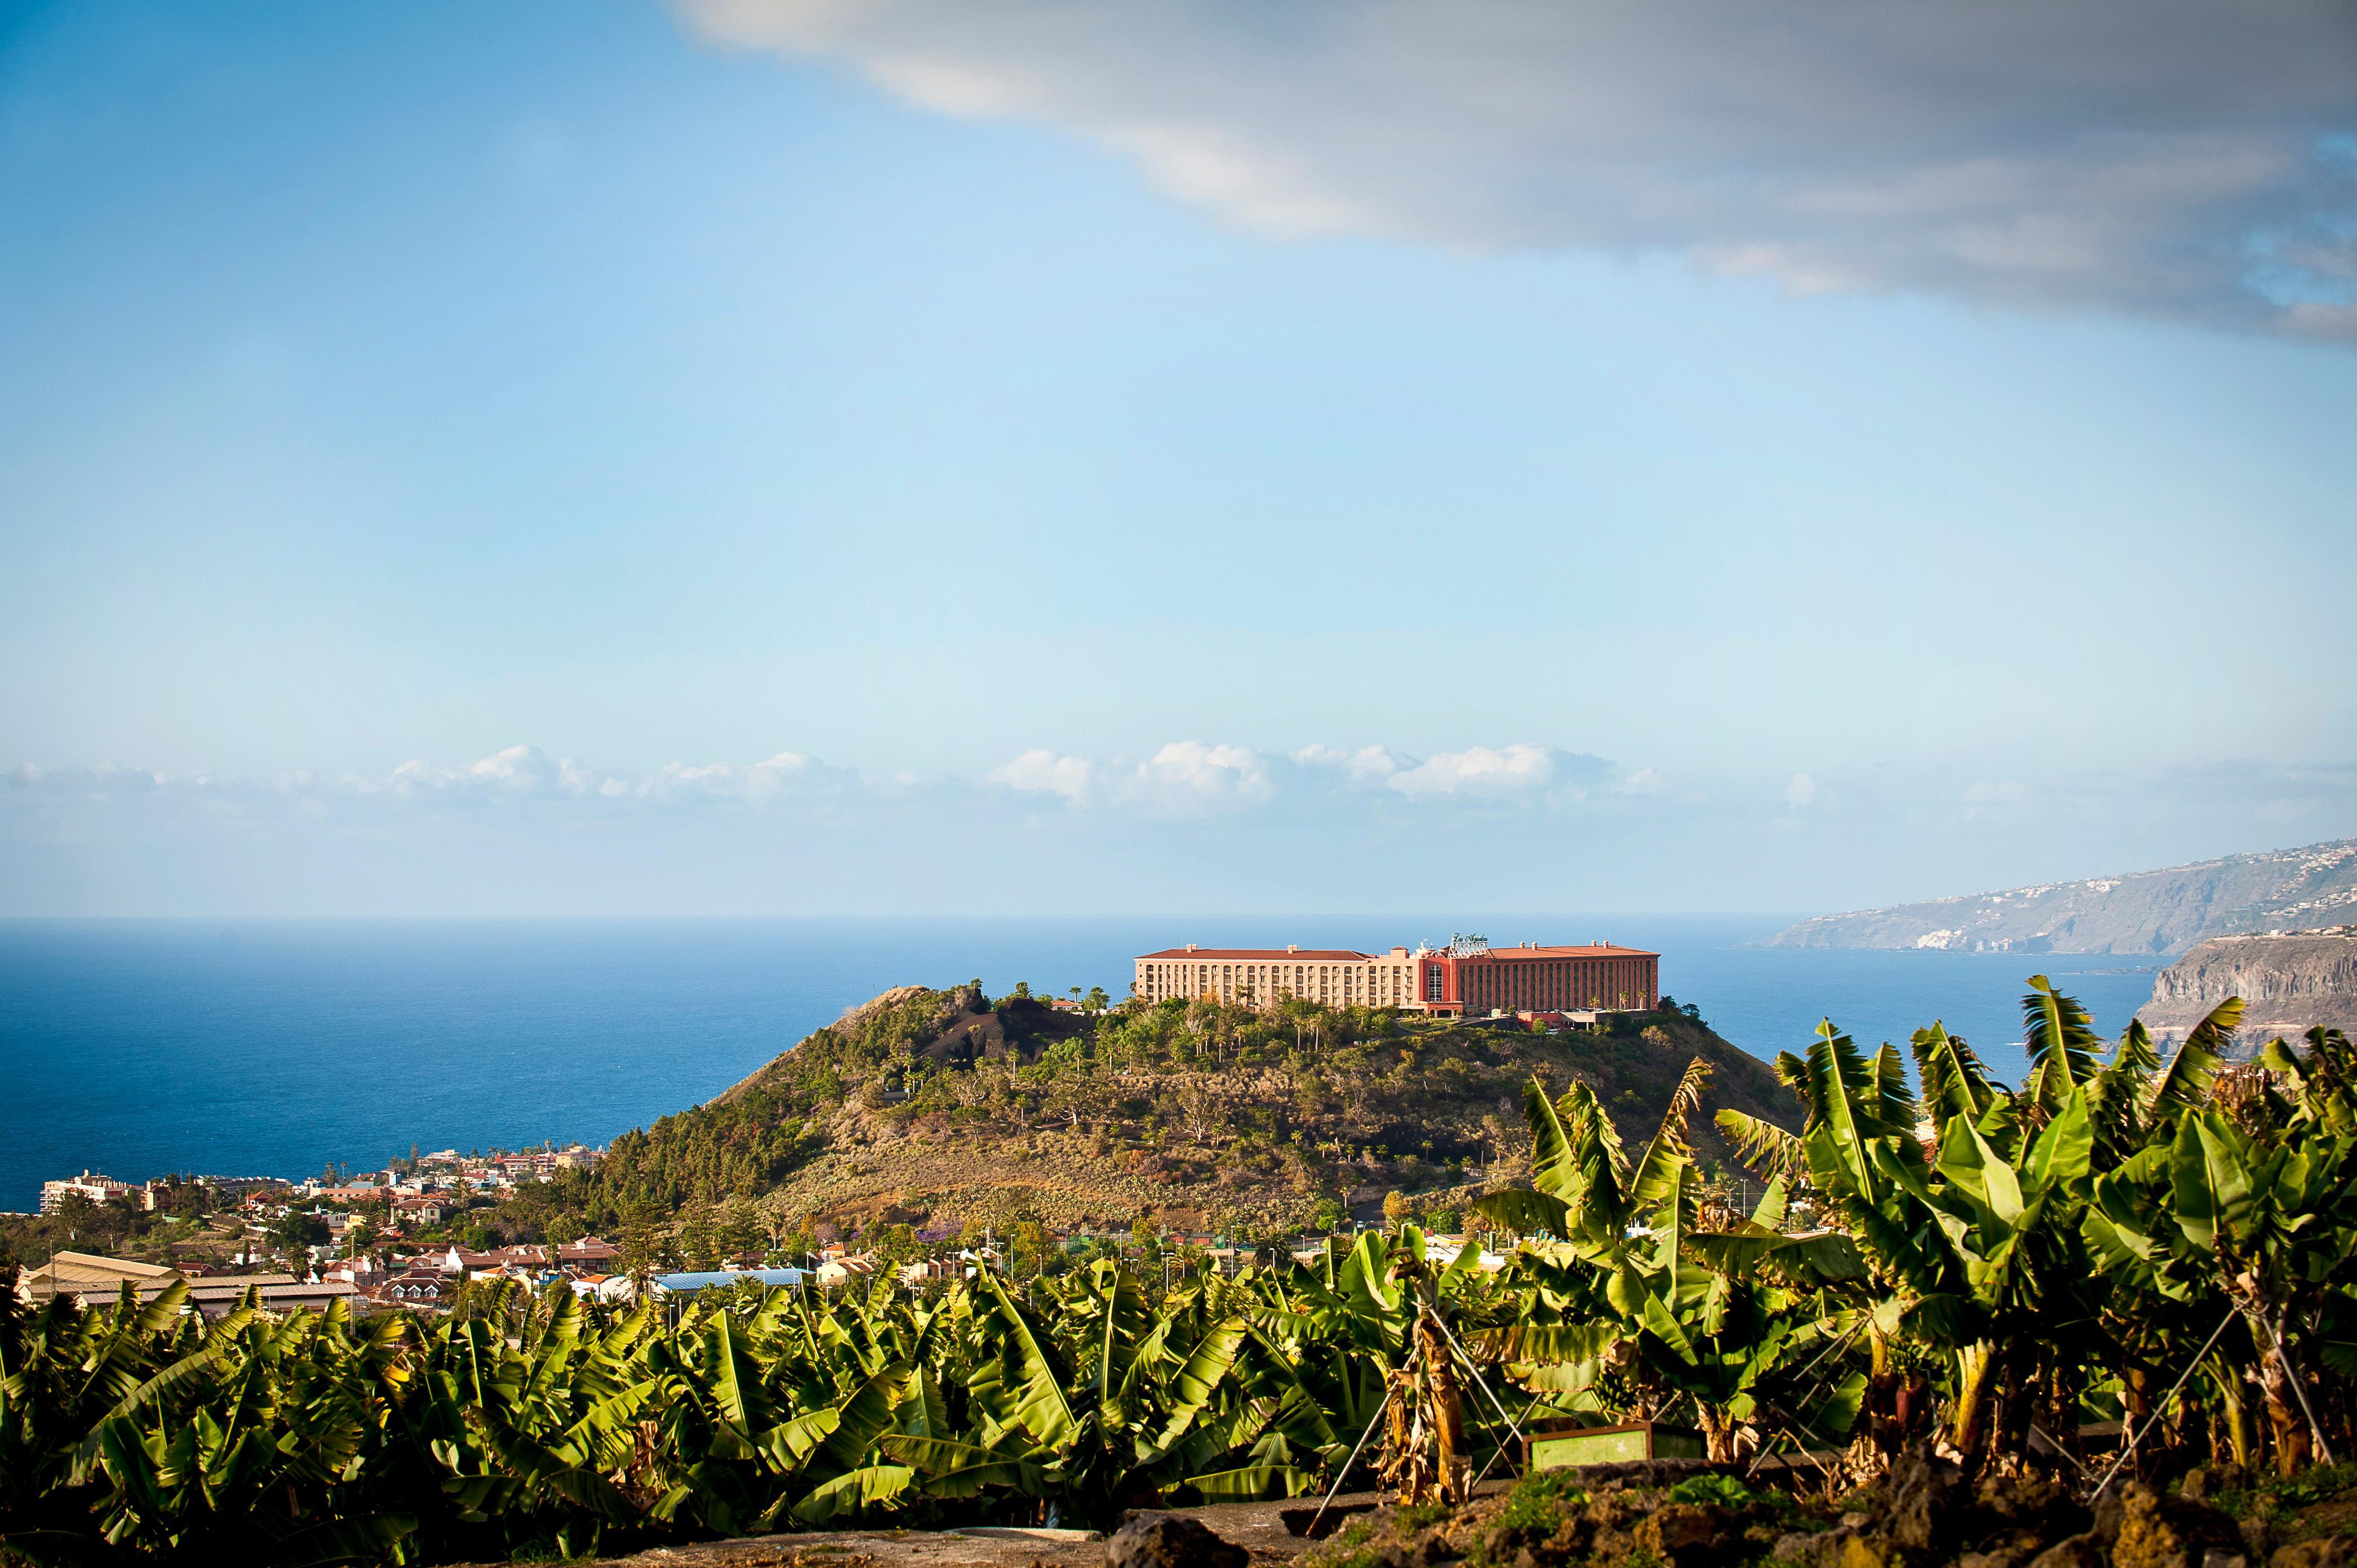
[
  {"x": 1576, "y": 983},
  {"x": 1377, "y": 980}
]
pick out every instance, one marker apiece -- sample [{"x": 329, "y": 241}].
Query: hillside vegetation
[{"x": 942, "y": 1108}]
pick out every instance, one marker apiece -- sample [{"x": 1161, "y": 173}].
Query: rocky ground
[
  {"x": 1922, "y": 1515},
  {"x": 1179, "y": 1538},
  {"x": 1664, "y": 1514}
]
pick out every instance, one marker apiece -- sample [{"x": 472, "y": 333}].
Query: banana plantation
[{"x": 2125, "y": 1265}]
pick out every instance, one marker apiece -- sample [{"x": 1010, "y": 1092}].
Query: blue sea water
[{"x": 272, "y": 1048}]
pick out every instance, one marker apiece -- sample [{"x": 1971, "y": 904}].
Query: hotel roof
[
  {"x": 1324, "y": 955},
  {"x": 1584, "y": 950},
  {"x": 1349, "y": 955}
]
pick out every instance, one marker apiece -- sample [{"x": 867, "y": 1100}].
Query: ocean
[{"x": 272, "y": 1048}]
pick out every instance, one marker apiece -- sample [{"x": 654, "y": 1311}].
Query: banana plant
[
  {"x": 2015, "y": 1299},
  {"x": 2260, "y": 1220},
  {"x": 2062, "y": 1043},
  {"x": 1689, "y": 1312},
  {"x": 243, "y": 1438},
  {"x": 1972, "y": 1243},
  {"x": 1139, "y": 1403}
]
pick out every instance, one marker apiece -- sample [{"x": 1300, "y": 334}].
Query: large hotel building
[{"x": 1463, "y": 980}]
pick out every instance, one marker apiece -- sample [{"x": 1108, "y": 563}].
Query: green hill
[{"x": 939, "y": 1107}]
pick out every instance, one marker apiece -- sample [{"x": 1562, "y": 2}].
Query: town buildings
[
  {"x": 96, "y": 1189},
  {"x": 1470, "y": 978},
  {"x": 95, "y": 1280}
]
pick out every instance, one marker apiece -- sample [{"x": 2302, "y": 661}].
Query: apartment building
[{"x": 95, "y": 1188}]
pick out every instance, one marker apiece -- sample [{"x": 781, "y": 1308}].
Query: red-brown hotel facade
[{"x": 1460, "y": 980}]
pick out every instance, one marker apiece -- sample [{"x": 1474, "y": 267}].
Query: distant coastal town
[
  {"x": 384, "y": 1239},
  {"x": 381, "y": 1237},
  {"x": 395, "y": 1238}
]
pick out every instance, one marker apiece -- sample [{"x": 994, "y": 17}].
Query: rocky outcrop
[
  {"x": 2144, "y": 912},
  {"x": 2287, "y": 981},
  {"x": 1171, "y": 1541}
]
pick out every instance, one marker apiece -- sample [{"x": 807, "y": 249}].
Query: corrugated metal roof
[{"x": 677, "y": 1282}]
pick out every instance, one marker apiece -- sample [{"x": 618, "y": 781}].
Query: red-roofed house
[{"x": 590, "y": 1253}]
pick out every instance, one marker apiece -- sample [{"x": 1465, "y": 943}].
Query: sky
[{"x": 891, "y": 456}]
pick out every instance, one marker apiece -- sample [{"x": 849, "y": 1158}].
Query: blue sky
[{"x": 1319, "y": 464}]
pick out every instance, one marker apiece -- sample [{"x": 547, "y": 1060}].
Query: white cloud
[
  {"x": 789, "y": 773},
  {"x": 523, "y": 768},
  {"x": 104, "y": 778},
  {"x": 1520, "y": 769},
  {"x": 2172, "y": 156},
  {"x": 1477, "y": 827},
  {"x": 1188, "y": 774},
  {"x": 1193, "y": 776},
  {"x": 518, "y": 771},
  {"x": 1367, "y": 765},
  {"x": 527, "y": 772},
  {"x": 1310, "y": 791},
  {"x": 1185, "y": 775},
  {"x": 1073, "y": 778}
]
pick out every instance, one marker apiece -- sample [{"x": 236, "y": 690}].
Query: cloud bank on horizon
[
  {"x": 2169, "y": 158},
  {"x": 1196, "y": 825},
  {"x": 1183, "y": 778}
]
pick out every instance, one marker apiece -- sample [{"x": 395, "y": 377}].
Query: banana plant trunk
[
  {"x": 2060, "y": 1411},
  {"x": 2230, "y": 1431},
  {"x": 1880, "y": 1437},
  {"x": 1456, "y": 1468},
  {"x": 2135, "y": 1407},
  {"x": 2283, "y": 1415},
  {"x": 1717, "y": 1435},
  {"x": 1976, "y": 1366},
  {"x": 2013, "y": 1408},
  {"x": 1402, "y": 1466},
  {"x": 2287, "y": 1418}
]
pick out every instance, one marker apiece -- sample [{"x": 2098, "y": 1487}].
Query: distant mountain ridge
[{"x": 2161, "y": 913}]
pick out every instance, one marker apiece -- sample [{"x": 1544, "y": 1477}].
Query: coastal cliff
[
  {"x": 2288, "y": 982},
  {"x": 2142, "y": 913}
]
